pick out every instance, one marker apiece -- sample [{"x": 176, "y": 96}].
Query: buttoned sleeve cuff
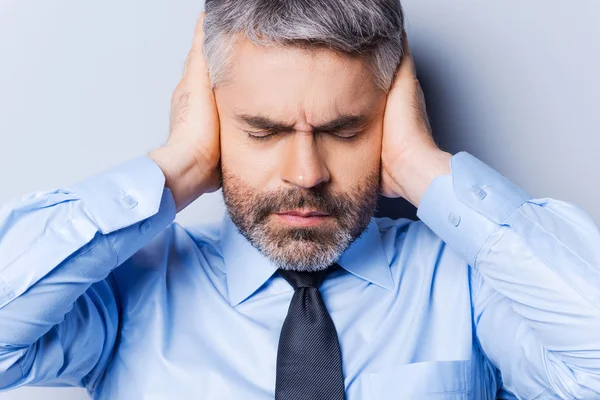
[
  {"x": 128, "y": 205},
  {"x": 467, "y": 206},
  {"x": 125, "y": 195}
]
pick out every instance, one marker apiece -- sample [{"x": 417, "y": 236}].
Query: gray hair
[{"x": 371, "y": 29}]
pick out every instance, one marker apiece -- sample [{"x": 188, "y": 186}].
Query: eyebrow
[{"x": 340, "y": 123}]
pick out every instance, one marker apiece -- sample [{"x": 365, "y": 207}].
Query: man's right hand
[{"x": 191, "y": 158}]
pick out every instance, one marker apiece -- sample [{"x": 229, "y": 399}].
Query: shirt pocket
[{"x": 440, "y": 380}]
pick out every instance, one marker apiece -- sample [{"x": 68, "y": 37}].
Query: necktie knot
[{"x": 306, "y": 279}]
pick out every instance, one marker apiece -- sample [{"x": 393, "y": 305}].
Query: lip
[
  {"x": 303, "y": 218},
  {"x": 304, "y": 213}
]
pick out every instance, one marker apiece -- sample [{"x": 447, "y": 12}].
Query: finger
[
  {"x": 198, "y": 42},
  {"x": 407, "y": 66},
  {"x": 406, "y": 69},
  {"x": 195, "y": 69},
  {"x": 405, "y": 44}
]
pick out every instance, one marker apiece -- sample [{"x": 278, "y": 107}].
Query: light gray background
[{"x": 86, "y": 85}]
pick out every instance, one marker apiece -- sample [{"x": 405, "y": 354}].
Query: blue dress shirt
[{"x": 492, "y": 293}]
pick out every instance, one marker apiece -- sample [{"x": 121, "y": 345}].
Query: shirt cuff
[
  {"x": 467, "y": 206},
  {"x": 124, "y": 195}
]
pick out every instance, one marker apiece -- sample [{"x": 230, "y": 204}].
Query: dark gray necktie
[{"x": 309, "y": 361}]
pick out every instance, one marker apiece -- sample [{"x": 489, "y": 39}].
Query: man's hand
[
  {"x": 410, "y": 158},
  {"x": 191, "y": 158}
]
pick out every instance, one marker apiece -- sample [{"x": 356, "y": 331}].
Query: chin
[{"x": 303, "y": 249}]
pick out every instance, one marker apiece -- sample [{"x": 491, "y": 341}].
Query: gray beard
[
  {"x": 297, "y": 249},
  {"x": 300, "y": 248}
]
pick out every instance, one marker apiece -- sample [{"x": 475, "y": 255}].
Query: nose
[{"x": 303, "y": 166}]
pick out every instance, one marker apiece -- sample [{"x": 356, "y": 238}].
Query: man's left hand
[{"x": 410, "y": 158}]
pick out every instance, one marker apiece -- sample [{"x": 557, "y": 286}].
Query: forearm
[
  {"x": 546, "y": 258},
  {"x": 541, "y": 262},
  {"x": 542, "y": 258},
  {"x": 55, "y": 246}
]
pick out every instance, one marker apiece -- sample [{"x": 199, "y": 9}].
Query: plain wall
[{"x": 87, "y": 85}]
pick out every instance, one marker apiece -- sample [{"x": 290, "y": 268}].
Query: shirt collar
[{"x": 248, "y": 269}]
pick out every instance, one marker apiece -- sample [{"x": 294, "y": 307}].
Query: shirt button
[
  {"x": 11, "y": 295},
  {"x": 129, "y": 201},
  {"x": 479, "y": 192},
  {"x": 454, "y": 219},
  {"x": 146, "y": 226}
]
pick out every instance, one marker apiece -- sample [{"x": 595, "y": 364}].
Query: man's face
[{"x": 301, "y": 148}]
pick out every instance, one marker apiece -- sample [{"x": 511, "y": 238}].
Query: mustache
[{"x": 317, "y": 199}]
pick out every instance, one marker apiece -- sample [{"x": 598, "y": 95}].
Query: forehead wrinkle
[
  {"x": 341, "y": 122},
  {"x": 303, "y": 126},
  {"x": 308, "y": 107}
]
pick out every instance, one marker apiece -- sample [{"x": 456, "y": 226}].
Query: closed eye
[
  {"x": 345, "y": 127},
  {"x": 347, "y": 135},
  {"x": 344, "y": 135},
  {"x": 264, "y": 134}
]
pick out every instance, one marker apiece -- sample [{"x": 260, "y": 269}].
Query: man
[{"x": 304, "y": 110}]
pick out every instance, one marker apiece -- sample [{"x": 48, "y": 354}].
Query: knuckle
[{"x": 181, "y": 96}]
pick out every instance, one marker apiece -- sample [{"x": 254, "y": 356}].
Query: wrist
[
  {"x": 185, "y": 175},
  {"x": 415, "y": 173}
]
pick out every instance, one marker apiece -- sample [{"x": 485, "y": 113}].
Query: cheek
[
  {"x": 254, "y": 165},
  {"x": 351, "y": 163}
]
